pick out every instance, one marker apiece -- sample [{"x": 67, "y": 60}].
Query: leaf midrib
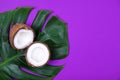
[{"x": 9, "y": 60}]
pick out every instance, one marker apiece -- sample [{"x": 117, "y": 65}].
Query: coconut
[
  {"x": 37, "y": 54},
  {"x": 21, "y": 36}
]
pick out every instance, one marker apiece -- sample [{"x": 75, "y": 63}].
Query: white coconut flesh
[
  {"x": 38, "y": 54},
  {"x": 23, "y": 38}
]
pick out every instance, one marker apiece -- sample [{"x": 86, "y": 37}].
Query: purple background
[{"x": 94, "y": 35}]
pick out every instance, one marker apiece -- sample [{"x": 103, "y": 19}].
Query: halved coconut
[
  {"x": 37, "y": 54},
  {"x": 21, "y": 36}
]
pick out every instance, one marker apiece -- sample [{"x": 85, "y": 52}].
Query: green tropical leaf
[
  {"x": 20, "y": 15},
  {"x": 47, "y": 70},
  {"x": 40, "y": 20},
  {"x": 54, "y": 35}
]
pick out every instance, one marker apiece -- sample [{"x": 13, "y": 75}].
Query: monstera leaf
[{"x": 54, "y": 34}]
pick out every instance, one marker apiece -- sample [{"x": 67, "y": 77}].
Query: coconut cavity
[
  {"x": 21, "y": 36},
  {"x": 37, "y": 54}
]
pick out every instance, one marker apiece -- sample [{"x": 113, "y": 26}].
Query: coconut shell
[
  {"x": 32, "y": 64},
  {"x": 15, "y": 29}
]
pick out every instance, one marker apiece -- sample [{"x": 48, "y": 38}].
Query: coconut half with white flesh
[
  {"x": 37, "y": 54},
  {"x": 21, "y": 36}
]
